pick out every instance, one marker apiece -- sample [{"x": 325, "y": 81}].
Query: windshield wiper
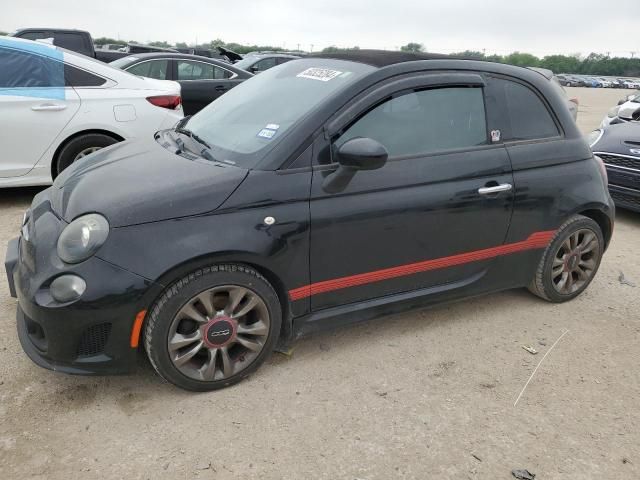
[
  {"x": 189, "y": 133},
  {"x": 204, "y": 153}
]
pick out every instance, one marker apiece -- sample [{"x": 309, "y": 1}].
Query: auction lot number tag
[{"x": 322, "y": 74}]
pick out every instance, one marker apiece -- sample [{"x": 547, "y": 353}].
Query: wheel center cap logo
[{"x": 219, "y": 332}]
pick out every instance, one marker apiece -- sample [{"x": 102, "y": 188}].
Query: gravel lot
[{"x": 426, "y": 394}]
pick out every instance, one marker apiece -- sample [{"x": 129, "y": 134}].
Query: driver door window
[{"x": 419, "y": 122}]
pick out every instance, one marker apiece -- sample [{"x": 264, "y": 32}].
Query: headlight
[
  {"x": 613, "y": 112},
  {"x": 594, "y": 137},
  {"x": 82, "y": 238}
]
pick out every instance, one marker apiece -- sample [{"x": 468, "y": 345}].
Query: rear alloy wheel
[
  {"x": 80, "y": 147},
  {"x": 570, "y": 262},
  {"x": 213, "y": 327}
]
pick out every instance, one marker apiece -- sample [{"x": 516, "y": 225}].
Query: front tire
[
  {"x": 570, "y": 262},
  {"x": 213, "y": 327}
]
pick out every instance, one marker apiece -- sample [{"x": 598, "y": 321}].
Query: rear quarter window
[
  {"x": 75, "y": 77},
  {"x": 527, "y": 116}
]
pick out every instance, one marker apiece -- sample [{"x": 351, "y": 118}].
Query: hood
[
  {"x": 141, "y": 181},
  {"x": 622, "y": 138},
  {"x": 230, "y": 54}
]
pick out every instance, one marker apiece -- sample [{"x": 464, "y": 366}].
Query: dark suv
[{"x": 326, "y": 190}]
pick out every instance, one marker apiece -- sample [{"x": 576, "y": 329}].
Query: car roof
[
  {"x": 270, "y": 54},
  {"x": 170, "y": 54},
  {"x": 28, "y": 29},
  {"x": 43, "y": 48},
  {"x": 136, "y": 57},
  {"x": 382, "y": 58}
]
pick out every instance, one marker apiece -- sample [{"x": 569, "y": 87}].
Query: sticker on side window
[{"x": 322, "y": 74}]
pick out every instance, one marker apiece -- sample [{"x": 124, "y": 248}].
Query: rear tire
[
  {"x": 80, "y": 147},
  {"x": 570, "y": 262},
  {"x": 213, "y": 327}
]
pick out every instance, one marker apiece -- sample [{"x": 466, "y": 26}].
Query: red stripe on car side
[{"x": 535, "y": 241}]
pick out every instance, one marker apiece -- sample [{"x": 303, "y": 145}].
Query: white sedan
[{"x": 58, "y": 106}]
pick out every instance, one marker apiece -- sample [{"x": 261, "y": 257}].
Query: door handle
[
  {"x": 503, "y": 187},
  {"x": 221, "y": 88},
  {"x": 48, "y": 107}
]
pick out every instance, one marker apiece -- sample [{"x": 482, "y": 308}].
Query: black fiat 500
[{"x": 326, "y": 190}]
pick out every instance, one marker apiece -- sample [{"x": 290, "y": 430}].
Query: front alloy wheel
[
  {"x": 213, "y": 327},
  {"x": 218, "y": 333}
]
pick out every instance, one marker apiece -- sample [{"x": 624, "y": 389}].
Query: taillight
[
  {"x": 171, "y": 102},
  {"x": 603, "y": 169}
]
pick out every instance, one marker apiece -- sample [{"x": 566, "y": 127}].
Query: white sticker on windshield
[
  {"x": 273, "y": 126},
  {"x": 266, "y": 133},
  {"x": 322, "y": 74}
]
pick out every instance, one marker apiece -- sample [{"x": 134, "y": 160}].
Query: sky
[{"x": 541, "y": 27}]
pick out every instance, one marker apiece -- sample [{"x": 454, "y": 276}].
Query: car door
[
  {"x": 202, "y": 83},
  {"x": 36, "y": 106},
  {"x": 436, "y": 214}
]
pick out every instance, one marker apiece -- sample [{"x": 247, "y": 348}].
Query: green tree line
[{"x": 593, "y": 64}]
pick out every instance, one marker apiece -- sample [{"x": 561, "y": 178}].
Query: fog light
[{"x": 67, "y": 288}]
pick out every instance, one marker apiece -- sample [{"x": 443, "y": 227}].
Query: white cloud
[{"x": 541, "y": 27}]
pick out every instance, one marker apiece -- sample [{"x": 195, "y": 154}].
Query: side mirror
[
  {"x": 362, "y": 154},
  {"x": 356, "y": 154},
  {"x": 254, "y": 69}
]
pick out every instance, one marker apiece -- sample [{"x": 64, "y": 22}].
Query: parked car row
[
  {"x": 202, "y": 79},
  {"x": 567, "y": 80},
  {"x": 326, "y": 190}
]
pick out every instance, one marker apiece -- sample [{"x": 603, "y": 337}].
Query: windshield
[
  {"x": 241, "y": 126},
  {"x": 636, "y": 99}
]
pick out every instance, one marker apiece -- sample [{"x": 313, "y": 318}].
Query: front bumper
[
  {"x": 624, "y": 182},
  {"x": 91, "y": 335}
]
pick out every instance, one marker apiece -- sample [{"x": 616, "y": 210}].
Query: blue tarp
[{"x": 31, "y": 69}]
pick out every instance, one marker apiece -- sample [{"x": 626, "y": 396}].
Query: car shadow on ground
[
  {"x": 18, "y": 196},
  {"x": 132, "y": 391},
  {"x": 627, "y": 216}
]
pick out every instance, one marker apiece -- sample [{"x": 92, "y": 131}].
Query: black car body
[
  {"x": 202, "y": 79},
  {"x": 619, "y": 147},
  {"x": 339, "y": 187},
  {"x": 259, "y": 62}
]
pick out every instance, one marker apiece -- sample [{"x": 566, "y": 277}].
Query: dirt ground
[{"x": 426, "y": 394}]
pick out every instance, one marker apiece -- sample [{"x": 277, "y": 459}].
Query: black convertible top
[{"x": 383, "y": 58}]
